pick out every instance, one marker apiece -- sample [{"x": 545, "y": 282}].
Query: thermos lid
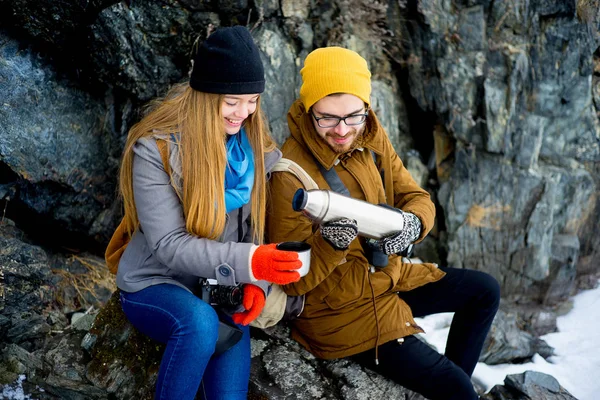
[{"x": 299, "y": 200}]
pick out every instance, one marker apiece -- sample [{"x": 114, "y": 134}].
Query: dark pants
[{"x": 474, "y": 297}]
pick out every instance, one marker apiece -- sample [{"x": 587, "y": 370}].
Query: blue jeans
[{"x": 188, "y": 326}]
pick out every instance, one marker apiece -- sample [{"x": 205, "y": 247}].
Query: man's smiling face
[{"x": 326, "y": 112}]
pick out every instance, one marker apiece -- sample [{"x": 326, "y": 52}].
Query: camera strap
[
  {"x": 333, "y": 179},
  {"x": 229, "y": 333},
  {"x": 240, "y": 220}
]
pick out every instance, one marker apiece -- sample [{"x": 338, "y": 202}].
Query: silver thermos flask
[{"x": 324, "y": 205}]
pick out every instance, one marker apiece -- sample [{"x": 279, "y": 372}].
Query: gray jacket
[{"x": 162, "y": 251}]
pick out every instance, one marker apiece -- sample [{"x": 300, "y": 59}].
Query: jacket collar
[{"x": 303, "y": 131}]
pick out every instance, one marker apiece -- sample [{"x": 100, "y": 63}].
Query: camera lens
[{"x": 226, "y": 295}]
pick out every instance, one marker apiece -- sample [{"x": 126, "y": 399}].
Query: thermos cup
[
  {"x": 303, "y": 250},
  {"x": 324, "y": 205}
]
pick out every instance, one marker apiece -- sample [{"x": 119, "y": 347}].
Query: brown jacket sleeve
[
  {"x": 408, "y": 196},
  {"x": 285, "y": 224}
]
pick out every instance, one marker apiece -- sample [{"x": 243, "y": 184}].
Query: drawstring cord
[
  {"x": 203, "y": 388},
  {"x": 376, "y": 320}
]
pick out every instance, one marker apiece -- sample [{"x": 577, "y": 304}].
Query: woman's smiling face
[{"x": 235, "y": 109}]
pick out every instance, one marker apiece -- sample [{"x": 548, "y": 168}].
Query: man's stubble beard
[{"x": 340, "y": 149}]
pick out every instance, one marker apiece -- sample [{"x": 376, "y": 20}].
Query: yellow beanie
[{"x": 330, "y": 70}]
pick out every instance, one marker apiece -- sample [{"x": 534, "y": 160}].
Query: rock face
[
  {"x": 142, "y": 47},
  {"x": 493, "y": 106},
  {"x": 509, "y": 81},
  {"x": 55, "y": 146},
  {"x": 41, "y": 295},
  {"x": 528, "y": 385},
  {"x": 507, "y": 343},
  {"x": 25, "y": 279}
]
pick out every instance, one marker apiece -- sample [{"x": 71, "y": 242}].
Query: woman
[{"x": 196, "y": 211}]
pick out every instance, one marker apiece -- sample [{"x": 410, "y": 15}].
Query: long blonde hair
[{"x": 198, "y": 118}]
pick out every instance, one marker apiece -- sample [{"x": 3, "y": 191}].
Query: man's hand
[
  {"x": 253, "y": 302},
  {"x": 399, "y": 241},
  {"x": 340, "y": 232}
]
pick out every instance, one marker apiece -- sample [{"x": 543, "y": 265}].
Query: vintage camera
[{"x": 220, "y": 295}]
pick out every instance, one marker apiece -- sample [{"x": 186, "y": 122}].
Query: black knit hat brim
[{"x": 228, "y": 87}]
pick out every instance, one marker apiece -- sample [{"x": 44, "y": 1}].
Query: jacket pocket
[
  {"x": 349, "y": 285},
  {"x": 415, "y": 275}
]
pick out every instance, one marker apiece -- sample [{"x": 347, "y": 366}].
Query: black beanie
[{"x": 228, "y": 62}]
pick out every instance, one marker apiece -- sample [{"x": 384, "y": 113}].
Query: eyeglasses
[{"x": 332, "y": 122}]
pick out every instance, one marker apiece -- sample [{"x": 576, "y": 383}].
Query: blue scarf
[{"x": 239, "y": 174}]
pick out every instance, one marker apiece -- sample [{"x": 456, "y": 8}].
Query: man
[{"x": 353, "y": 309}]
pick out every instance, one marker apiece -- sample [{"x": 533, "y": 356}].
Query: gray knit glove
[
  {"x": 340, "y": 232},
  {"x": 399, "y": 241}
]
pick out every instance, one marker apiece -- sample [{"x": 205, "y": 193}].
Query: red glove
[
  {"x": 253, "y": 302},
  {"x": 274, "y": 265}
]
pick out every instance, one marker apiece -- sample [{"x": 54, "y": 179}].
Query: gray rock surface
[
  {"x": 59, "y": 25},
  {"x": 508, "y": 232},
  {"x": 512, "y": 84},
  {"x": 55, "y": 142},
  {"x": 143, "y": 47},
  {"x": 38, "y": 291},
  {"x": 529, "y": 385},
  {"x": 507, "y": 343},
  {"x": 282, "y": 77}
]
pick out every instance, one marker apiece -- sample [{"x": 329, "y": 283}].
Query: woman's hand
[
  {"x": 253, "y": 301},
  {"x": 274, "y": 265}
]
